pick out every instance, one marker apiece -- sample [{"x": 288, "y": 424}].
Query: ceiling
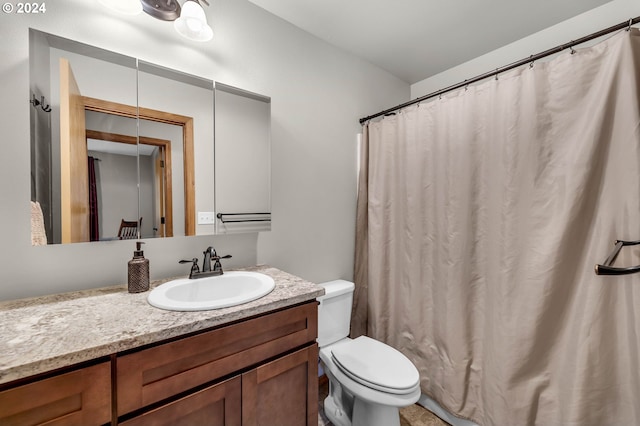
[{"x": 415, "y": 39}]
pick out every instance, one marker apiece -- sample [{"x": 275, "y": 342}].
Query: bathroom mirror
[
  {"x": 147, "y": 153},
  {"x": 114, "y": 140}
]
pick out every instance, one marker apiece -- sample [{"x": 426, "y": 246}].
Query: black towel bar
[{"x": 606, "y": 268}]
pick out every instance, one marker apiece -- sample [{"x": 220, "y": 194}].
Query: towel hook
[{"x": 40, "y": 103}]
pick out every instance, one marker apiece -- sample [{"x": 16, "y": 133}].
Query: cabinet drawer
[
  {"x": 81, "y": 397},
  {"x": 218, "y": 405},
  {"x": 154, "y": 374}
]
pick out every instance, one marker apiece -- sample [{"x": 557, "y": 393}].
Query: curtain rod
[{"x": 530, "y": 59}]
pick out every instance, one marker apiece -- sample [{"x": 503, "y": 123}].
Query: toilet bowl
[{"x": 368, "y": 380}]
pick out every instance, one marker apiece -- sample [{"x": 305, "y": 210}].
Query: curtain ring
[
  {"x": 497, "y": 73},
  {"x": 531, "y": 64},
  {"x": 572, "y": 50},
  {"x": 630, "y": 22}
]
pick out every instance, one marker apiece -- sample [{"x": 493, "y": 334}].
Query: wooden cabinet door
[
  {"x": 217, "y": 405},
  {"x": 154, "y": 374},
  {"x": 282, "y": 392},
  {"x": 81, "y": 397}
]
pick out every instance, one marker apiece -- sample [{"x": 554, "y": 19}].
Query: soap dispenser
[{"x": 138, "y": 271}]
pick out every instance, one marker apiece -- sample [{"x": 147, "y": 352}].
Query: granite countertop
[{"x": 50, "y": 332}]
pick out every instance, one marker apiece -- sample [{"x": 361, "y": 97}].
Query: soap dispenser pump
[{"x": 138, "y": 271}]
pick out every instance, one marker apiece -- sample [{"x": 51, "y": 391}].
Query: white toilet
[{"x": 368, "y": 380}]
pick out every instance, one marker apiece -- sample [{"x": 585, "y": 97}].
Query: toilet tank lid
[{"x": 336, "y": 288}]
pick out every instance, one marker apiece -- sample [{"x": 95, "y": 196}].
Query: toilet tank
[{"x": 334, "y": 311}]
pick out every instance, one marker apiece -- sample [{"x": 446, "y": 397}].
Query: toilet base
[
  {"x": 336, "y": 415},
  {"x": 366, "y": 414},
  {"x": 338, "y": 405},
  {"x": 343, "y": 409}
]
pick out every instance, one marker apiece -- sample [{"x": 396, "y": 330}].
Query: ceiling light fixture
[
  {"x": 190, "y": 20},
  {"x": 165, "y": 10}
]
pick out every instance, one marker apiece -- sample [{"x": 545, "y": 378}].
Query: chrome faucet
[
  {"x": 209, "y": 255},
  {"x": 206, "y": 262}
]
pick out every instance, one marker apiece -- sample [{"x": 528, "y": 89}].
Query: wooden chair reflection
[{"x": 129, "y": 229}]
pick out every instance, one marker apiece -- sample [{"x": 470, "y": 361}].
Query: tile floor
[{"x": 414, "y": 415}]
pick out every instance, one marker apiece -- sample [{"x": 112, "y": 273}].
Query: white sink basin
[{"x": 230, "y": 289}]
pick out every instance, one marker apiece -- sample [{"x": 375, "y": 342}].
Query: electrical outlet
[{"x": 206, "y": 218}]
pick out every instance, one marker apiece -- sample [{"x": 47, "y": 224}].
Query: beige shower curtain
[{"x": 480, "y": 218}]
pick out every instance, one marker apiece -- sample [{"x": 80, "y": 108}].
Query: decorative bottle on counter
[{"x": 138, "y": 271}]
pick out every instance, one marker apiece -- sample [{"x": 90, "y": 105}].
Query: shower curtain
[{"x": 480, "y": 218}]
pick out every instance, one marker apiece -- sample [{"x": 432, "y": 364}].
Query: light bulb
[{"x": 192, "y": 22}]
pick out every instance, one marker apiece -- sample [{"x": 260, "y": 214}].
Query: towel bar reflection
[
  {"x": 248, "y": 217},
  {"x": 606, "y": 268}
]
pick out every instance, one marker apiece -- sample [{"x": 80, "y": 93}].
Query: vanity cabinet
[
  {"x": 272, "y": 394},
  {"x": 108, "y": 357},
  {"x": 271, "y": 358},
  {"x": 257, "y": 371},
  {"x": 81, "y": 397}
]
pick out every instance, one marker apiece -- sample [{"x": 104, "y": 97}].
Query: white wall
[
  {"x": 582, "y": 25},
  {"x": 318, "y": 94}
]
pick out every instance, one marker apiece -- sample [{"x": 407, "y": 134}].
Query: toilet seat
[{"x": 376, "y": 365}]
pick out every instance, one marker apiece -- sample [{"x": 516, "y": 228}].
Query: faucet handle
[
  {"x": 194, "y": 267},
  {"x": 217, "y": 266}
]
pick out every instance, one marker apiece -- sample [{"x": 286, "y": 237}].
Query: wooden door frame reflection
[
  {"x": 107, "y": 107},
  {"x": 166, "y": 203}
]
